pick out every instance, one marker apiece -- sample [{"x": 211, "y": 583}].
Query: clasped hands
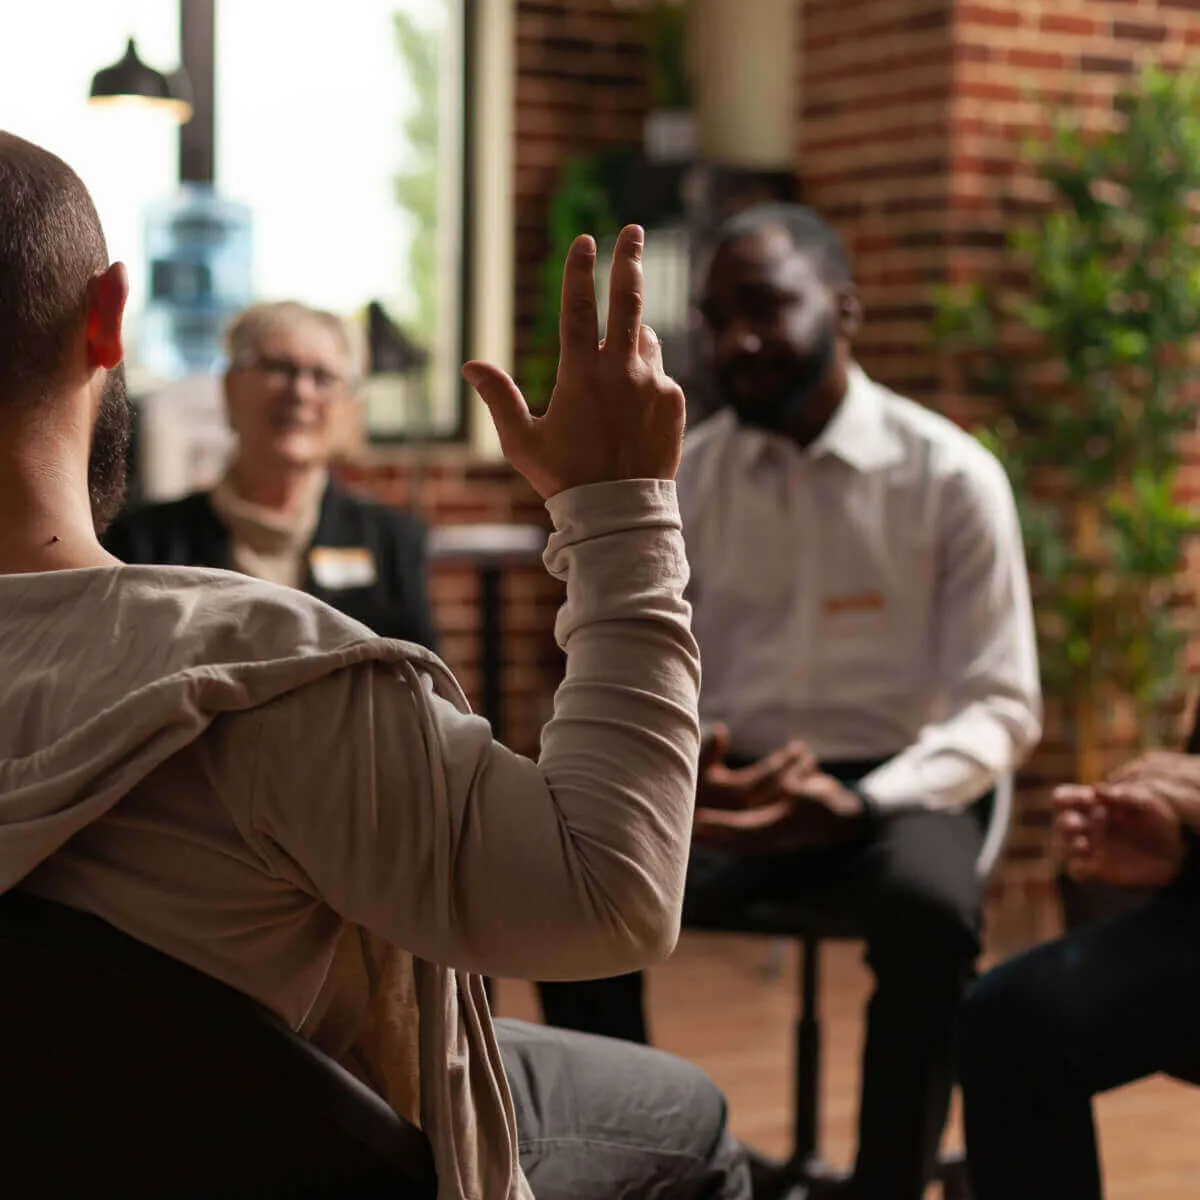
[
  {"x": 782, "y": 802},
  {"x": 1130, "y": 830}
]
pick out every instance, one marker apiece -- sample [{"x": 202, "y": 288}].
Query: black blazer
[{"x": 188, "y": 533}]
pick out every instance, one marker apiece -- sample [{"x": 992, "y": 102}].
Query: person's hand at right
[
  {"x": 614, "y": 413},
  {"x": 1123, "y": 834},
  {"x": 1172, "y": 777}
]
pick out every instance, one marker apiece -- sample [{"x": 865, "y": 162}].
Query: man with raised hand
[{"x": 245, "y": 779}]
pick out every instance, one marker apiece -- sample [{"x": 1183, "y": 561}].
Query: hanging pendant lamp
[{"x": 131, "y": 81}]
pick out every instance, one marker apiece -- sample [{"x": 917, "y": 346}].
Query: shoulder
[
  {"x": 234, "y": 643},
  {"x": 951, "y": 455},
  {"x": 703, "y": 448},
  {"x": 225, "y": 617},
  {"x": 707, "y": 438}
]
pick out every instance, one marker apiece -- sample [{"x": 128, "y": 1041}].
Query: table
[{"x": 490, "y": 549}]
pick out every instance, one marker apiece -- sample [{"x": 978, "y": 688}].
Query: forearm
[
  {"x": 620, "y": 754},
  {"x": 573, "y": 866}
]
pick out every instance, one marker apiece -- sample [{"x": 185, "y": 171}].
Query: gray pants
[{"x": 607, "y": 1120}]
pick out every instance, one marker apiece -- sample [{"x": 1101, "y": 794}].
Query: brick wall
[{"x": 877, "y": 82}]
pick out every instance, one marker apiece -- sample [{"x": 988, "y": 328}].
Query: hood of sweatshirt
[{"x": 106, "y": 672}]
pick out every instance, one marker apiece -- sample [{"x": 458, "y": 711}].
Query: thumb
[{"x": 510, "y": 414}]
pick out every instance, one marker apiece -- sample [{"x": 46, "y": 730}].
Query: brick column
[{"x": 877, "y": 81}]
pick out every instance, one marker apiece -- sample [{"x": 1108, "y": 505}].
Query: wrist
[{"x": 869, "y": 811}]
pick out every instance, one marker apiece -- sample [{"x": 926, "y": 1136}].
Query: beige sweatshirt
[{"x": 242, "y": 777}]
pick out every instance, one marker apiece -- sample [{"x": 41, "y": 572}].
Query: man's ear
[
  {"x": 850, "y": 313},
  {"x": 106, "y": 297}
]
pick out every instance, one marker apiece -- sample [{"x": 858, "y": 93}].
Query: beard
[
  {"x": 108, "y": 463},
  {"x": 805, "y": 373}
]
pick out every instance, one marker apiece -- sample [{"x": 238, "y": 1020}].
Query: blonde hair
[{"x": 245, "y": 336}]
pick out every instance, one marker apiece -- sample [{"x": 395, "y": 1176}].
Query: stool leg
[{"x": 808, "y": 1057}]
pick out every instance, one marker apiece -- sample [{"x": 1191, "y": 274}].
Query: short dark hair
[
  {"x": 51, "y": 247},
  {"x": 810, "y": 233}
]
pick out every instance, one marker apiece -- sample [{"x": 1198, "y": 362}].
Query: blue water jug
[{"x": 199, "y": 256}]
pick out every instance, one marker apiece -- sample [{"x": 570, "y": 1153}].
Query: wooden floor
[{"x": 719, "y": 1004}]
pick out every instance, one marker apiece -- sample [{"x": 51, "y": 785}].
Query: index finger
[
  {"x": 773, "y": 765},
  {"x": 1074, "y": 796},
  {"x": 625, "y": 293},
  {"x": 578, "y": 322}
]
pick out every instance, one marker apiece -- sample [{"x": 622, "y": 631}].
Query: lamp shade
[{"x": 131, "y": 80}]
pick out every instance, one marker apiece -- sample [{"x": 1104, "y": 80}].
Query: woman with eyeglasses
[{"x": 277, "y": 515}]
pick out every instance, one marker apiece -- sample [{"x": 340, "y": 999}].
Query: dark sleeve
[
  {"x": 1193, "y": 742},
  {"x": 409, "y": 585}
]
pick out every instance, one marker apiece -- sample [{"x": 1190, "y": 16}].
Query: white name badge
[{"x": 339, "y": 567}]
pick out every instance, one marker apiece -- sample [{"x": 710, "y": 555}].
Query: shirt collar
[{"x": 857, "y": 433}]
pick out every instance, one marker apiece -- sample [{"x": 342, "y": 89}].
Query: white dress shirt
[{"x": 867, "y": 595}]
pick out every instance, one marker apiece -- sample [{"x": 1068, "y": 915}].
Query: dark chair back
[{"x": 127, "y": 1073}]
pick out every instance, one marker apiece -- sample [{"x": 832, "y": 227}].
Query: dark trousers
[
  {"x": 1044, "y": 1033},
  {"x": 603, "y": 1120},
  {"x": 912, "y": 889}
]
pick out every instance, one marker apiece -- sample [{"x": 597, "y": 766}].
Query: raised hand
[{"x": 614, "y": 413}]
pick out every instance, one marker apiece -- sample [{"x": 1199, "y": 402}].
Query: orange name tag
[
  {"x": 338, "y": 567},
  {"x": 854, "y": 616},
  {"x": 857, "y": 604}
]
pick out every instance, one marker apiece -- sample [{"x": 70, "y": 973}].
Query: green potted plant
[{"x": 1090, "y": 367}]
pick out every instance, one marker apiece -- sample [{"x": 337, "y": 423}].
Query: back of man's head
[{"x": 51, "y": 247}]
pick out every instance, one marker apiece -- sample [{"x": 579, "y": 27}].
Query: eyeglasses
[{"x": 285, "y": 372}]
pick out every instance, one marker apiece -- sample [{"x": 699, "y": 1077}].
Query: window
[{"x": 340, "y": 127}]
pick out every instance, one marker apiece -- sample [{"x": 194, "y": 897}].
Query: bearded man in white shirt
[{"x": 870, "y": 668}]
